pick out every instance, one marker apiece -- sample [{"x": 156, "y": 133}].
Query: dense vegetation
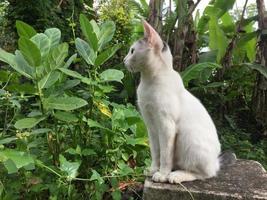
[{"x": 69, "y": 127}]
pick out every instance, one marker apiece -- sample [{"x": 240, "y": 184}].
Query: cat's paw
[
  {"x": 181, "y": 176},
  {"x": 175, "y": 178},
  {"x": 160, "y": 177}
]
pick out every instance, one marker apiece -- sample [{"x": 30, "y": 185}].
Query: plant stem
[
  {"x": 72, "y": 21},
  {"x": 61, "y": 1},
  {"x": 9, "y": 77},
  {"x": 5, "y": 122},
  {"x": 40, "y": 94},
  {"x": 40, "y": 164}
]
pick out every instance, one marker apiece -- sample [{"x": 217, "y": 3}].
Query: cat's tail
[{"x": 227, "y": 158}]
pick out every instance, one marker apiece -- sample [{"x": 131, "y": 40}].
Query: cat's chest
[
  {"x": 147, "y": 93},
  {"x": 148, "y": 102},
  {"x": 156, "y": 101},
  {"x": 155, "y": 95}
]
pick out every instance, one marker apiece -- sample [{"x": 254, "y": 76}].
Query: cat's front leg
[
  {"x": 155, "y": 152},
  {"x": 166, "y": 141}
]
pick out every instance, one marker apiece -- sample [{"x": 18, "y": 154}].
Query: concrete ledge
[{"x": 245, "y": 179}]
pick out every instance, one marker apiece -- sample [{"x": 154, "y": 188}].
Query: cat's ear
[{"x": 151, "y": 36}]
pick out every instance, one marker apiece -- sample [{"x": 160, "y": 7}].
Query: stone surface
[{"x": 245, "y": 179}]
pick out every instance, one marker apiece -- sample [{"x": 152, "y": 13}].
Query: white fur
[{"x": 183, "y": 139}]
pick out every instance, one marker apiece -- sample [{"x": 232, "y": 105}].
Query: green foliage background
[{"x": 69, "y": 125}]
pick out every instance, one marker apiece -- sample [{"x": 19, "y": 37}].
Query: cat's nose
[{"x": 124, "y": 60}]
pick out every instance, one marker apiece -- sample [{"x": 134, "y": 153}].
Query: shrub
[{"x": 61, "y": 136}]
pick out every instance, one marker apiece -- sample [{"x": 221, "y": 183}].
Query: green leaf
[
  {"x": 8, "y": 58},
  {"x": 71, "y": 151},
  {"x": 96, "y": 177},
  {"x": 209, "y": 56},
  {"x": 15, "y": 103},
  {"x": 30, "y": 52},
  {"x": 25, "y": 30},
  {"x": 114, "y": 182},
  {"x": 95, "y": 27},
  {"x": 88, "y": 31},
  {"x": 8, "y": 140},
  {"x": 1, "y": 189},
  {"x": 17, "y": 63},
  {"x": 224, "y": 6},
  {"x": 26, "y": 88},
  {"x": 116, "y": 194},
  {"x": 217, "y": 38},
  {"x": 28, "y": 122},
  {"x": 112, "y": 75},
  {"x": 10, "y": 166},
  {"x": 107, "y": 54},
  {"x": 203, "y": 24},
  {"x": 19, "y": 159},
  {"x": 141, "y": 130},
  {"x": 88, "y": 152},
  {"x": 65, "y": 116},
  {"x": 30, "y": 166},
  {"x": 71, "y": 168},
  {"x": 42, "y": 42},
  {"x": 40, "y": 131},
  {"x": 54, "y": 36},
  {"x": 125, "y": 170},
  {"x": 22, "y": 66},
  {"x": 91, "y": 123},
  {"x": 70, "y": 84},
  {"x": 56, "y": 57},
  {"x": 71, "y": 73},
  {"x": 64, "y": 103},
  {"x": 85, "y": 51},
  {"x": 4, "y": 75},
  {"x": 250, "y": 45},
  {"x": 137, "y": 141},
  {"x": 246, "y": 37},
  {"x": 34, "y": 113},
  {"x": 228, "y": 23},
  {"x": 251, "y": 49},
  {"x": 260, "y": 68},
  {"x": 215, "y": 9},
  {"x": 248, "y": 21},
  {"x": 70, "y": 61},
  {"x": 214, "y": 85},
  {"x": 193, "y": 71},
  {"x": 74, "y": 151},
  {"x": 144, "y": 4},
  {"x": 76, "y": 75},
  {"x": 107, "y": 30},
  {"x": 49, "y": 79}
]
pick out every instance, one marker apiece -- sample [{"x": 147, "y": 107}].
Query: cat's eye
[{"x": 132, "y": 50}]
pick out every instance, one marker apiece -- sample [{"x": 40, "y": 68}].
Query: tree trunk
[
  {"x": 185, "y": 37},
  {"x": 260, "y": 91},
  {"x": 182, "y": 40},
  {"x": 155, "y": 14}
]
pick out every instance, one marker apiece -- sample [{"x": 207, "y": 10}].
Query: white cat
[{"x": 183, "y": 139}]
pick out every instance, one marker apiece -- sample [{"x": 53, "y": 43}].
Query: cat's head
[{"x": 148, "y": 53}]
